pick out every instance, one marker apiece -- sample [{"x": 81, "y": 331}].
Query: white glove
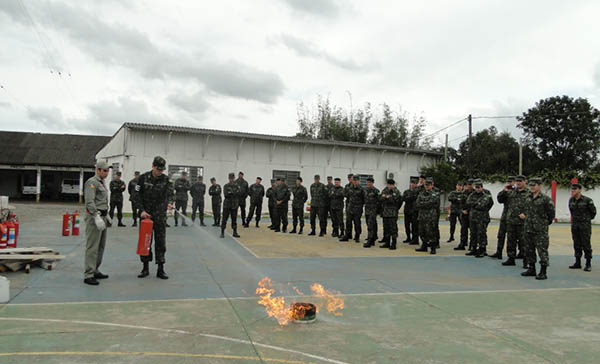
[
  {"x": 108, "y": 220},
  {"x": 99, "y": 222}
]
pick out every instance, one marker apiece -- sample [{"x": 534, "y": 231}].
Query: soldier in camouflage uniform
[
  {"x": 539, "y": 214},
  {"x": 328, "y": 188},
  {"x": 156, "y": 196},
  {"x": 215, "y": 198},
  {"x": 256, "y": 193},
  {"x": 391, "y": 201},
  {"x": 346, "y": 188},
  {"x": 409, "y": 197},
  {"x": 336, "y": 198},
  {"x": 182, "y": 186},
  {"x": 356, "y": 200},
  {"x": 455, "y": 198},
  {"x": 231, "y": 191},
  {"x": 427, "y": 206},
  {"x": 271, "y": 203},
  {"x": 282, "y": 197},
  {"x": 583, "y": 212},
  {"x": 464, "y": 217},
  {"x": 134, "y": 197},
  {"x": 117, "y": 186},
  {"x": 478, "y": 205},
  {"x": 502, "y": 195},
  {"x": 418, "y": 190},
  {"x": 243, "y": 194},
  {"x": 318, "y": 197},
  {"x": 300, "y": 197},
  {"x": 516, "y": 200},
  {"x": 198, "y": 190},
  {"x": 371, "y": 210}
]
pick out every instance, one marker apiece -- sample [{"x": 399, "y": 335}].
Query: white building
[{"x": 215, "y": 153}]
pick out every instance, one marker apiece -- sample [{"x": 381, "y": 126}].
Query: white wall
[{"x": 256, "y": 158}]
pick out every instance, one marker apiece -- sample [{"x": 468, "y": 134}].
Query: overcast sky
[{"x": 88, "y": 66}]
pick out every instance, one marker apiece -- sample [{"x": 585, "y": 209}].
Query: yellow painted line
[{"x": 141, "y": 353}]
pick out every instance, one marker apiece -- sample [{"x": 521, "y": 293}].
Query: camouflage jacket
[
  {"x": 198, "y": 190},
  {"x": 346, "y": 189},
  {"x": 328, "y": 188},
  {"x": 427, "y": 205},
  {"x": 215, "y": 193},
  {"x": 391, "y": 200},
  {"x": 182, "y": 186},
  {"x": 356, "y": 198},
  {"x": 582, "y": 211},
  {"x": 539, "y": 211},
  {"x": 318, "y": 195},
  {"x": 231, "y": 191},
  {"x": 478, "y": 205},
  {"x": 516, "y": 199},
  {"x": 503, "y": 199},
  {"x": 243, "y": 184},
  {"x": 134, "y": 191},
  {"x": 456, "y": 202},
  {"x": 270, "y": 196},
  {"x": 336, "y": 198},
  {"x": 371, "y": 200},
  {"x": 410, "y": 199},
  {"x": 281, "y": 193},
  {"x": 256, "y": 193},
  {"x": 156, "y": 193},
  {"x": 116, "y": 190},
  {"x": 300, "y": 196}
]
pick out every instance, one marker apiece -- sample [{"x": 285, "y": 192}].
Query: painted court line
[{"x": 175, "y": 331}]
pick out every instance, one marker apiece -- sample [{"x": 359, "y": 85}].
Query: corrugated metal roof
[
  {"x": 182, "y": 129},
  {"x": 21, "y": 148}
]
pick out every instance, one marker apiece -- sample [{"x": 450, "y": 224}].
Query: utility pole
[
  {"x": 446, "y": 149},
  {"x": 520, "y": 156},
  {"x": 470, "y": 145}
]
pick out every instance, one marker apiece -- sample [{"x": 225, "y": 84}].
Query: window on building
[
  {"x": 193, "y": 171},
  {"x": 363, "y": 179},
  {"x": 288, "y": 175}
]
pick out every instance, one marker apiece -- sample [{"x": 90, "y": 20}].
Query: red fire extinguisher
[
  {"x": 15, "y": 221},
  {"x": 11, "y": 243},
  {"x": 76, "y": 223},
  {"x": 3, "y": 236},
  {"x": 66, "y": 224},
  {"x": 145, "y": 238}
]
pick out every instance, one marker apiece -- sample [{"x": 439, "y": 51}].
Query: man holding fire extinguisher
[
  {"x": 96, "y": 220},
  {"x": 156, "y": 197}
]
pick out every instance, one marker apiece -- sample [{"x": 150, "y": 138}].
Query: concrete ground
[{"x": 399, "y": 306}]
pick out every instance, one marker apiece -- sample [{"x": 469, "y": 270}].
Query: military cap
[
  {"x": 520, "y": 178},
  {"x": 317, "y": 176},
  {"x": 337, "y": 179},
  {"x": 240, "y": 172},
  {"x": 470, "y": 181},
  {"x": 535, "y": 181},
  {"x": 213, "y": 179},
  {"x": 259, "y": 178},
  {"x": 102, "y": 165},
  {"x": 279, "y": 178},
  {"x": 428, "y": 181},
  {"x": 159, "y": 162},
  {"x": 350, "y": 175},
  {"x": 231, "y": 175},
  {"x": 460, "y": 183},
  {"x": 136, "y": 173},
  {"x": 329, "y": 178},
  {"x": 576, "y": 186},
  {"x": 273, "y": 180},
  {"x": 299, "y": 178},
  {"x": 200, "y": 177},
  {"x": 422, "y": 176},
  {"x": 184, "y": 173},
  {"x": 370, "y": 179},
  {"x": 414, "y": 180},
  {"x": 478, "y": 182},
  {"x": 510, "y": 179},
  {"x": 391, "y": 181},
  {"x": 356, "y": 177},
  {"x": 119, "y": 173}
]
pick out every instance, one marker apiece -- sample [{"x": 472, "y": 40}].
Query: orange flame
[{"x": 334, "y": 303}]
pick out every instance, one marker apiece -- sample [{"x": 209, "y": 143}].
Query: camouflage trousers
[
  {"x": 282, "y": 216},
  {"x": 229, "y": 213},
  {"x": 408, "y": 225},
  {"x": 427, "y": 230},
  {"x": 454, "y": 216},
  {"x": 337, "y": 220},
  {"x": 242, "y": 205},
  {"x": 464, "y": 229},
  {"x": 216, "y": 211},
  {"x": 255, "y": 209},
  {"x": 321, "y": 212},
  {"x": 298, "y": 216},
  {"x": 371, "y": 219},
  {"x": 537, "y": 241},
  {"x": 478, "y": 233},
  {"x": 515, "y": 239},
  {"x": 353, "y": 217},
  {"x": 415, "y": 228},
  {"x": 136, "y": 210},
  {"x": 180, "y": 205},
  {"x": 198, "y": 204},
  {"x": 390, "y": 227},
  {"x": 582, "y": 234},
  {"x": 159, "y": 235},
  {"x": 501, "y": 236}
]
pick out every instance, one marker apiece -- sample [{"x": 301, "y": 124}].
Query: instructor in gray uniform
[{"x": 96, "y": 219}]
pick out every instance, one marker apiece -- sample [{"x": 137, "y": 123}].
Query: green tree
[
  {"x": 445, "y": 175},
  {"x": 563, "y": 132},
  {"x": 391, "y": 129}
]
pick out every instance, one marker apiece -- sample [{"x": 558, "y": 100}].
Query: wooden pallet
[{"x": 15, "y": 259}]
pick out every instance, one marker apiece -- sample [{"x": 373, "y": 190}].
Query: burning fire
[{"x": 276, "y": 306}]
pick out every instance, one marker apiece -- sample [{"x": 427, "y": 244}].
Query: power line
[{"x": 444, "y": 128}]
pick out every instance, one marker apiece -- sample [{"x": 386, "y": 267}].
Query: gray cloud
[
  {"x": 5, "y": 104},
  {"x": 194, "y": 103},
  {"x": 306, "y": 48},
  {"x": 14, "y": 11},
  {"x": 325, "y": 8}
]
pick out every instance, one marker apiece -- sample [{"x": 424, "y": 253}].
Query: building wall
[{"x": 219, "y": 155}]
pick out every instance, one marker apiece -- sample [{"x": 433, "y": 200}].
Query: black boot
[
  {"x": 145, "y": 271},
  {"x": 284, "y": 229},
  {"x": 322, "y": 233},
  {"x": 460, "y": 246},
  {"x": 394, "y": 242},
  {"x": 520, "y": 255},
  {"x": 577, "y": 264},
  {"x": 509, "y": 261},
  {"x": 386, "y": 240},
  {"x": 344, "y": 238},
  {"x": 202, "y": 222},
  {"x": 471, "y": 252},
  {"x": 160, "y": 273},
  {"x": 433, "y": 248},
  {"x": 312, "y": 232},
  {"x": 530, "y": 272},
  {"x": 407, "y": 240},
  {"x": 246, "y": 224},
  {"x": 497, "y": 255},
  {"x": 301, "y": 228},
  {"x": 423, "y": 248},
  {"x": 222, "y": 232},
  {"x": 542, "y": 275},
  {"x": 369, "y": 243},
  {"x": 257, "y": 224},
  {"x": 235, "y": 234},
  {"x": 357, "y": 238},
  {"x": 450, "y": 240},
  {"x": 134, "y": 223},
  {"x": 588, "y": 265},
  {"x": 293, "y": 230},
  {"x": 334, "y": 234},
  {"x": 480, "y": 253}
]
